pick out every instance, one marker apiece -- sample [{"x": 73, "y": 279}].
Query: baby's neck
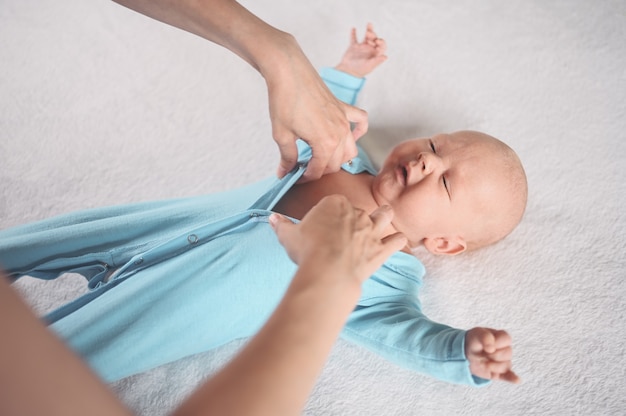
[
  {"x": 302, "y": 197},
  {"x": 357, "y": 188}
]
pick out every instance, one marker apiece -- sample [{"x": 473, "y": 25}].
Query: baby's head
[{"x": 453, "y": 192}]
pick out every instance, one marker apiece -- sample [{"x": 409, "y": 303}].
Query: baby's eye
[{"x": 445, "y": 183}]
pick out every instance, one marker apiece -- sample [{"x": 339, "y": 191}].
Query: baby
[
  {"x": 449, "y": 193},
  {"x": 173, "y": 278}
]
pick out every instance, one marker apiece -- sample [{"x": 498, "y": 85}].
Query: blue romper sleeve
[
  {"x": 343, "y": 86},
  {"x": 389, "y": 321}
]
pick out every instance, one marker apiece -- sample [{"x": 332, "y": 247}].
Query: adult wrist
[
  {"x": 334, "y": 281},
  {"x": 280, "y": 56}
]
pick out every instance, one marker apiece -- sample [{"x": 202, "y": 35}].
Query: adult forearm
[
  {"x": 40, "y": 375},
  {"x": 226, "y": 23},
  {"x": 276, "y": 371},
  {"x": 336, "y": 247},
  {"x": 301, "y": 106}
]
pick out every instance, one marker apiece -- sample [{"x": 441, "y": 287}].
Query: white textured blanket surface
[{"x": 101, "y": 106}]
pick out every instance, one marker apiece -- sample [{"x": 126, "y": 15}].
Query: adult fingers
[
  {"x": 394, "y": 242},
  {"x": 381, "y": 217},
  {"x": 286, "y": 231},
  {"x": 345, "y": 152},
  {"x": 350, "y": 150},
  {"x": 317, "y": 165},
  {"x": 323, "y": 161},
  {"x": 338, "y": 157},
  {"x": 288, "y": 153},
  {"x": 358, "y": 117},
  {"x": 381, "y": 252}
]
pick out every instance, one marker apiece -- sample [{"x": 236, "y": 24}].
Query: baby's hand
[
  {"x": 361, "y": 58},
  {"x": 489, "y": 353}
]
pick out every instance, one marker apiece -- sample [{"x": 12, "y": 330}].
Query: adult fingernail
[{"x": 273, "y": 219}]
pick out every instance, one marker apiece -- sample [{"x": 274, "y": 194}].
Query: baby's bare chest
[{"x": 302, "y": 197}]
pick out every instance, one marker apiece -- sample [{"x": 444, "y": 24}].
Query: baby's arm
[
  {"x": 346, "y": 79},
  {"x": 395, "y": 328},
  {"x": 489, "y": 353},
  {"x": 362, "y": 57}
]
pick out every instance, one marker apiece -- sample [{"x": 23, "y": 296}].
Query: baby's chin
[
  {"x": 386, "y": 187},
  {"x": 377, "y": 194}
]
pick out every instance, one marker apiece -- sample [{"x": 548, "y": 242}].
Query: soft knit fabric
[{"x": 173, "y": 278}]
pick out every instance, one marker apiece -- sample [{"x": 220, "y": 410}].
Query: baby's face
[{"x": 439, "y": 186}]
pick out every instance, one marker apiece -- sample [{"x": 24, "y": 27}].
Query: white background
[{"x": 101, "y": 106}]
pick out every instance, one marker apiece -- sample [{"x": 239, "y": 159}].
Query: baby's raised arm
[
  {"x": 361, "y": 58},
  {"x": 489, "y": 353}
]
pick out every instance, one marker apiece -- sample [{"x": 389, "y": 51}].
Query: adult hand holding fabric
[
  {"x": 340, "y": 238},
  {"x": 301, "y": 106},
  {"x": 336, "y": 247}
]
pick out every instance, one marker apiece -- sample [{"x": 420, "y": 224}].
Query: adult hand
[
  {"x": 302, "y": 106},
  {"x": 336, "y": 236},
  {"x": 489, "y": 353}
]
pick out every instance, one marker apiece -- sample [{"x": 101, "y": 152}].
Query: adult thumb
[
  {"x": 283, "y": 228},
  {"x": 288, "y": 157}
]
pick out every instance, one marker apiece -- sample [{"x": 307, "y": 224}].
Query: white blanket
[{"x": 102, "y": 106}]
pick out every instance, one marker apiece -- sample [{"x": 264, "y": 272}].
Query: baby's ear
[{"x": 445, "y": 245}]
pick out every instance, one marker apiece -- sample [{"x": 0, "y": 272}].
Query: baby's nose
[{"x": 427, "y": 162}]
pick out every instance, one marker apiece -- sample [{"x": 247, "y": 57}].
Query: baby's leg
[
  {"x": 94, "y": 242},
  {"x": 204, "y": 295}
]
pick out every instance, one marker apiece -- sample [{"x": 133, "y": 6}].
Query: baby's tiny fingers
[
  {"x": 381, "y": 45},
  {"x": 510, "y": 376},
  {"x": 498, "y": 367},
  {"x": 482, "y": 341},
  {"x": 370, "y": 36},
  {"x": 353, "y": 38},
  {"x": 503, "y": 354},
  {"x": 503, "y": 339}
]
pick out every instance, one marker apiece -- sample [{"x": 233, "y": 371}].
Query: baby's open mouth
[{"x": 402, "y": 174}]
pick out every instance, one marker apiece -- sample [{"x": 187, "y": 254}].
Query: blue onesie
[{"x": 173, "y": 278}]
